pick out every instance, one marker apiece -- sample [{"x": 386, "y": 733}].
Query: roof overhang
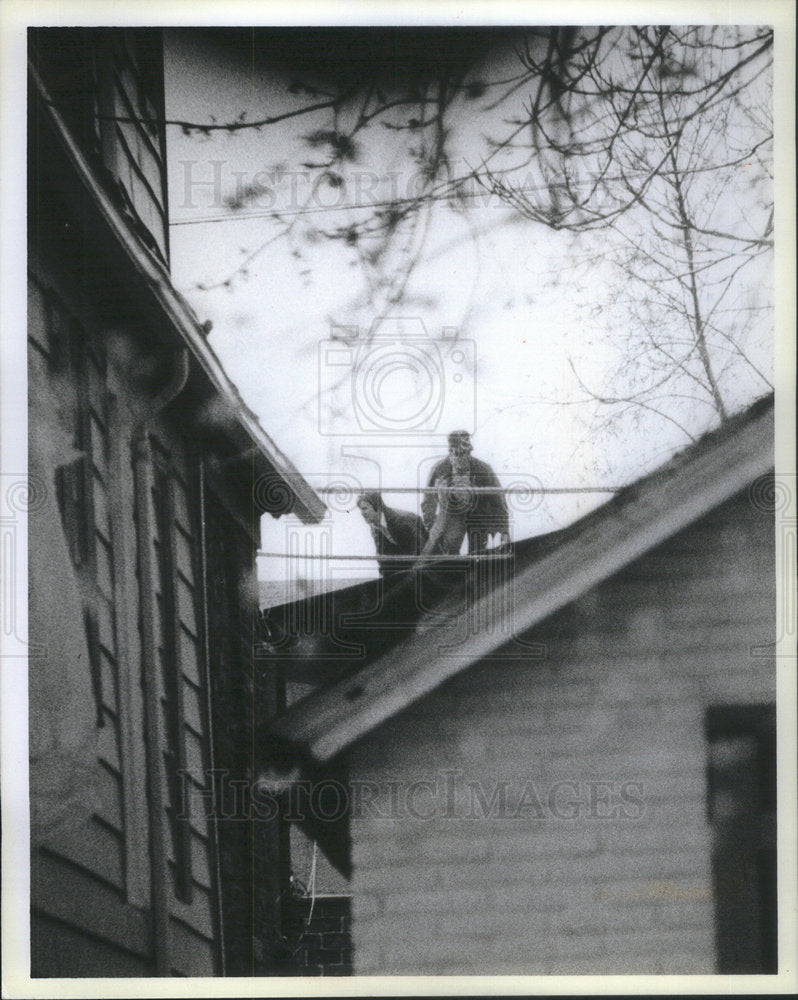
[{"x": 176, "y": 322}]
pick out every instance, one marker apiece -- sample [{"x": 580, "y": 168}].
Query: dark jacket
[
  {"x": 485, "y": 511},
  {"x": 407, "y": 538}
]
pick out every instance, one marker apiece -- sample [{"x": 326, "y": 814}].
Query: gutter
[{"x": 307, "y": 504}]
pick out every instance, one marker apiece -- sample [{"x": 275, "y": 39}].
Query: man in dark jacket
[
  {"x": 453, "y": 510},
  {"x": 395, "y": 532}
]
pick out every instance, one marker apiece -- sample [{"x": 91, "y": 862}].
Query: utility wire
[
  {"x": 482, "y": 557},
  {"x": 343, "y": 489}
]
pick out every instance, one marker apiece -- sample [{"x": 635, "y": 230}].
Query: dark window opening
[{"x": 741, "y": 804}]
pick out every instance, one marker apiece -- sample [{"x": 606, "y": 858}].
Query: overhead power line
[
  {"x": 422, "y": 560},
  {"x": 522, "y": 489}
]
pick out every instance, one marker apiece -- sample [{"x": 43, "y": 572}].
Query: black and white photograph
[{"x": 400, "y": 560}]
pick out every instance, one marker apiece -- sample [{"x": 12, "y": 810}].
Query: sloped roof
[
  {"x": 545, "y": 577},
  {"x": 267, "y": 458}
]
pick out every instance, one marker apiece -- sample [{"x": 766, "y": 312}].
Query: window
[{"x": 742, "y": 813}]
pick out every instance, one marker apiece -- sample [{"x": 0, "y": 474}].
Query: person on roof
[
  {"x": 452, "y": 510},
  {"x": 395, "y": 532}
]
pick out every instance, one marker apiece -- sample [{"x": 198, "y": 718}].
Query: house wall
[
  {"x": 319, "y": 932},
  {"x": 610, "y": 871},
  {"x": 142, "y": 611},
  {"x": 92, "y": 792}
]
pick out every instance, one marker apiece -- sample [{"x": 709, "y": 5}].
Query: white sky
[{"x": 485, "y": 275}]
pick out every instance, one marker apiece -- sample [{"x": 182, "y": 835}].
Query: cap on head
[
  {"x": 460, "y": 441},
  {"x": 374, "y": 498}
]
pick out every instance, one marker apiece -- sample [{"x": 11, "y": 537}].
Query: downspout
[{"x": 142, "y": 474}]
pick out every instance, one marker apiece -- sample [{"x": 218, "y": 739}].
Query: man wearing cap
[
  {"x": 395, "y": 532},
  {"x": 454, "y": 510}
]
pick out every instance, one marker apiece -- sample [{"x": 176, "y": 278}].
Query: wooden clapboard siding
[
  {"x": 109, "y": 852},
  {"x": 198, "y": 914},
  {"x": 108, "y": 745},
  {"x": 186, "y": 608},
  {"x": 199, "y": 845},
  {"x": 183, "y": 721},
  {"x": 61, "y": 944},
  {"x": 173, "y": 753},
  {"x": 193, "y": 705},
  {"x": 108, "y": 690},
  {"x": 111, "y": 794},
  {"x": 133, "y": 149},
  {"x": 109, "y": 933},
  {"x": 189, "y": 657},
  {"x": 97, "y": 849},
  {"x": 193, "y": 954},
  {"x": 195, "y": 755},
  {"x": 94, "y": 421},
  {"x": 70, "y": 347},
  {"x": 200, "y": 865}
]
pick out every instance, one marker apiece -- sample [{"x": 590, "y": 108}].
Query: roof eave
[{"x": 306, "y": 503}]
